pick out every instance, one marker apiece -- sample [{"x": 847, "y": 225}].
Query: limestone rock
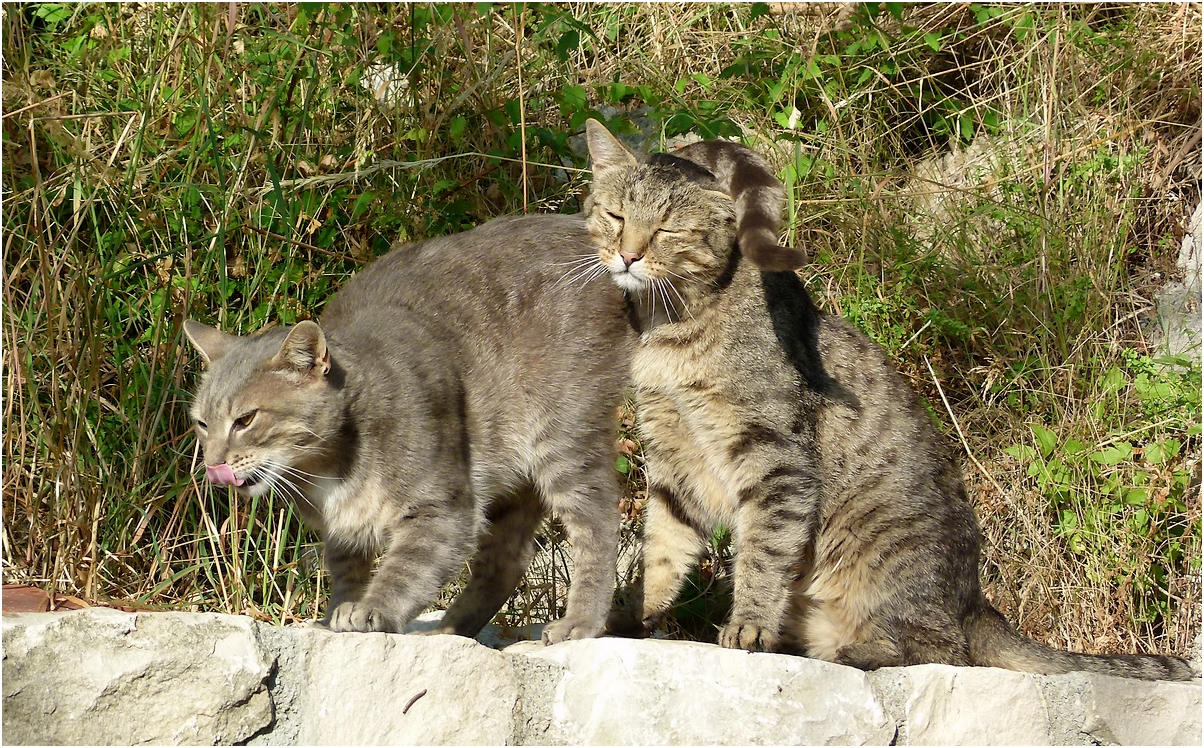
[
  {"x": 622, "y": 691},
  {"x": 356, "y": 688},
  {"x": 1150, "y": 714},
  {"x": 945, "y": 705},
  {"x": 105, "y": 677}
]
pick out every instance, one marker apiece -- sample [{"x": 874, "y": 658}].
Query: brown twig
[
  {"x": 15, "y": 112},
  {"x": 522, "y": 108}
]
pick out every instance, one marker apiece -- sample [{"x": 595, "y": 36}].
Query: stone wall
[{"x": 108, "y": 677}]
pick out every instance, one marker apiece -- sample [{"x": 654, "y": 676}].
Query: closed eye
[
  {"x": 613, "y": 216},
  {"x": 245, "y": 419}
]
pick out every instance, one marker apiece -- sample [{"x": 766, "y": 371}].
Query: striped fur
[
  {"x": 854, "y": 538},
  {"x": 456, "y": 391}
]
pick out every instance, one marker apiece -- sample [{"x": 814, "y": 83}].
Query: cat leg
[
  {"x": 774, "y": 524},
  {"x": 350, "y": 570},
  {"x": 428, "y": 543},
  {"x": 502, "y": 556},
  {"x": 673, "y": 541},
  {"x": 588, "y": 507}
]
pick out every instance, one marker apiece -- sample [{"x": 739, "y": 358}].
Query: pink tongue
[{"x": 222, "y": 475}]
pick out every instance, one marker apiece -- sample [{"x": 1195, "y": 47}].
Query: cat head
[
  {"x": 656, "y": 219},
  {"x": 266, "y": 407}
]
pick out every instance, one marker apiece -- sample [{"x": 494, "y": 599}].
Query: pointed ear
[
  {"x": 605, "y": 150},
  {"x": 210, "y": 342},
  {"x": 304, "y": 351}
]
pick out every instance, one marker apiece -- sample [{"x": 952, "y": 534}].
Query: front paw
[
  {"x": 749, "y": 636},
  {"x": 569, "y": 628},
  {"x": 360, "y": 616}
]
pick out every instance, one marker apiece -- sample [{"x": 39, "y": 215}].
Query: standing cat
[
  {"x": 854, "y": 539},
  {"x": 455, "y": 390}
]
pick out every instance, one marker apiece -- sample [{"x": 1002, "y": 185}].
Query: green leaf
[
  {"x": 1159, "y": 452},
  {"x": 1046, "y": 439},
  {"x": 933, "y": 40},
  {"x": 1113, "y": 381},
  {"x": 1074, "y": 447},
  {"x": 1021, "y": 452},
  {"x": 458, "y": 124},
  {"x": 574, "y": 98},
  {"x": 967, "y": 127},
  {"x": 513, "y": 111},
  {"x": 623, "y": 465},
  {"x": 361, "y": 203},
  {"x": 1113, "y": 455},
  {"x": 1136, "y": 497}
]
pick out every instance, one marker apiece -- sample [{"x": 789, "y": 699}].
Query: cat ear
[
  {"x": 210, "y": 342},
  {"x": 304, "y": 351},
  {"x": 605, "y": 150}
]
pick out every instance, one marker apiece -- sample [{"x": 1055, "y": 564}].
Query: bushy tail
[
  {"x": 759, "y": 198},
  {"x": 994, "y": 643}
]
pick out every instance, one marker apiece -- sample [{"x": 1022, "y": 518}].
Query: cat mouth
[{"x": 628, "y": 281}]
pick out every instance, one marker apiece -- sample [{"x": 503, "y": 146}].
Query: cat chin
[
  {"x": 629, "y": 282},
  {"x": 255, "y": 490}
]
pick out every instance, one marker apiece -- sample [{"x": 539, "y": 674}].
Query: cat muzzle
[{"x": 222, "y": 475}]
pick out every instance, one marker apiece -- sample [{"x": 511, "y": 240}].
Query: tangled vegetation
[{"x": 992, "y": 192}]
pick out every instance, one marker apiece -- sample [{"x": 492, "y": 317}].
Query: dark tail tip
[{"x": 770, "y": 256}]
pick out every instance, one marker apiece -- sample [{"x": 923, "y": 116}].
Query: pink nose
[
  {"x": 629, "y": 257},
  {"x": 222, "y": 475}
]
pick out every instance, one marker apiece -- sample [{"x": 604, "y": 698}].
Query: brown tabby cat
[
  {"x": 455, "y": 390},
  {"x": 854, "y": 539}
]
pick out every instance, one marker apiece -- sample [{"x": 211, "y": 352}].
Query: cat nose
[{"x": 629, "y": 257}]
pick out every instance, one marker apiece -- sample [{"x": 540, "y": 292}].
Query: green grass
[{"x": 170, "y": 162}]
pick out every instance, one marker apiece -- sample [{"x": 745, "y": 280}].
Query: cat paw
[
  {"x": 358, "y": 616},
  {"x": 569, "y": 628},
  {"x": 748, "y": 636}
]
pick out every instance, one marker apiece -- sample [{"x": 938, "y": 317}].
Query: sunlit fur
[
  {"x": 456, "y": 391},
  {"x": 854, "y": 539}
]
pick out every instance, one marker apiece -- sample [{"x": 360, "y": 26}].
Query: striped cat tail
[{"x": 994, "y": 643}]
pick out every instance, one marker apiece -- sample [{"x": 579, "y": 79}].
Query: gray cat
[
  {"x": 854, "y": 539},
  {"x": 454, "y": 391}
]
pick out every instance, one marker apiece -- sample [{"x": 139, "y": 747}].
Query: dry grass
[{"x": 162, "y": 162}]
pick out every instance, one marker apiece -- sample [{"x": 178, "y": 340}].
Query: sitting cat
[
  {"x": 454, "y": 391},
  {"x": 854, "y": 539}
]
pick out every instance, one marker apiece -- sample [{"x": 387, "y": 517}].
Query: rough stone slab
[
  {"x": 1152, "y": 714},
  {"x": 100, "y": 676},
  {"x": 356, "y": 686},
  {"x": 945, "y": 705},
  {"x": 630, "y": 692},
  {"x": 106, "y": 677}
]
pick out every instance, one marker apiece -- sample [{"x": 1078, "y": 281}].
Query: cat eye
[
  {"x": 202, "y": 425},
  {"x": 613, "y": 216},
  {"x": 245, "y": 419}
]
